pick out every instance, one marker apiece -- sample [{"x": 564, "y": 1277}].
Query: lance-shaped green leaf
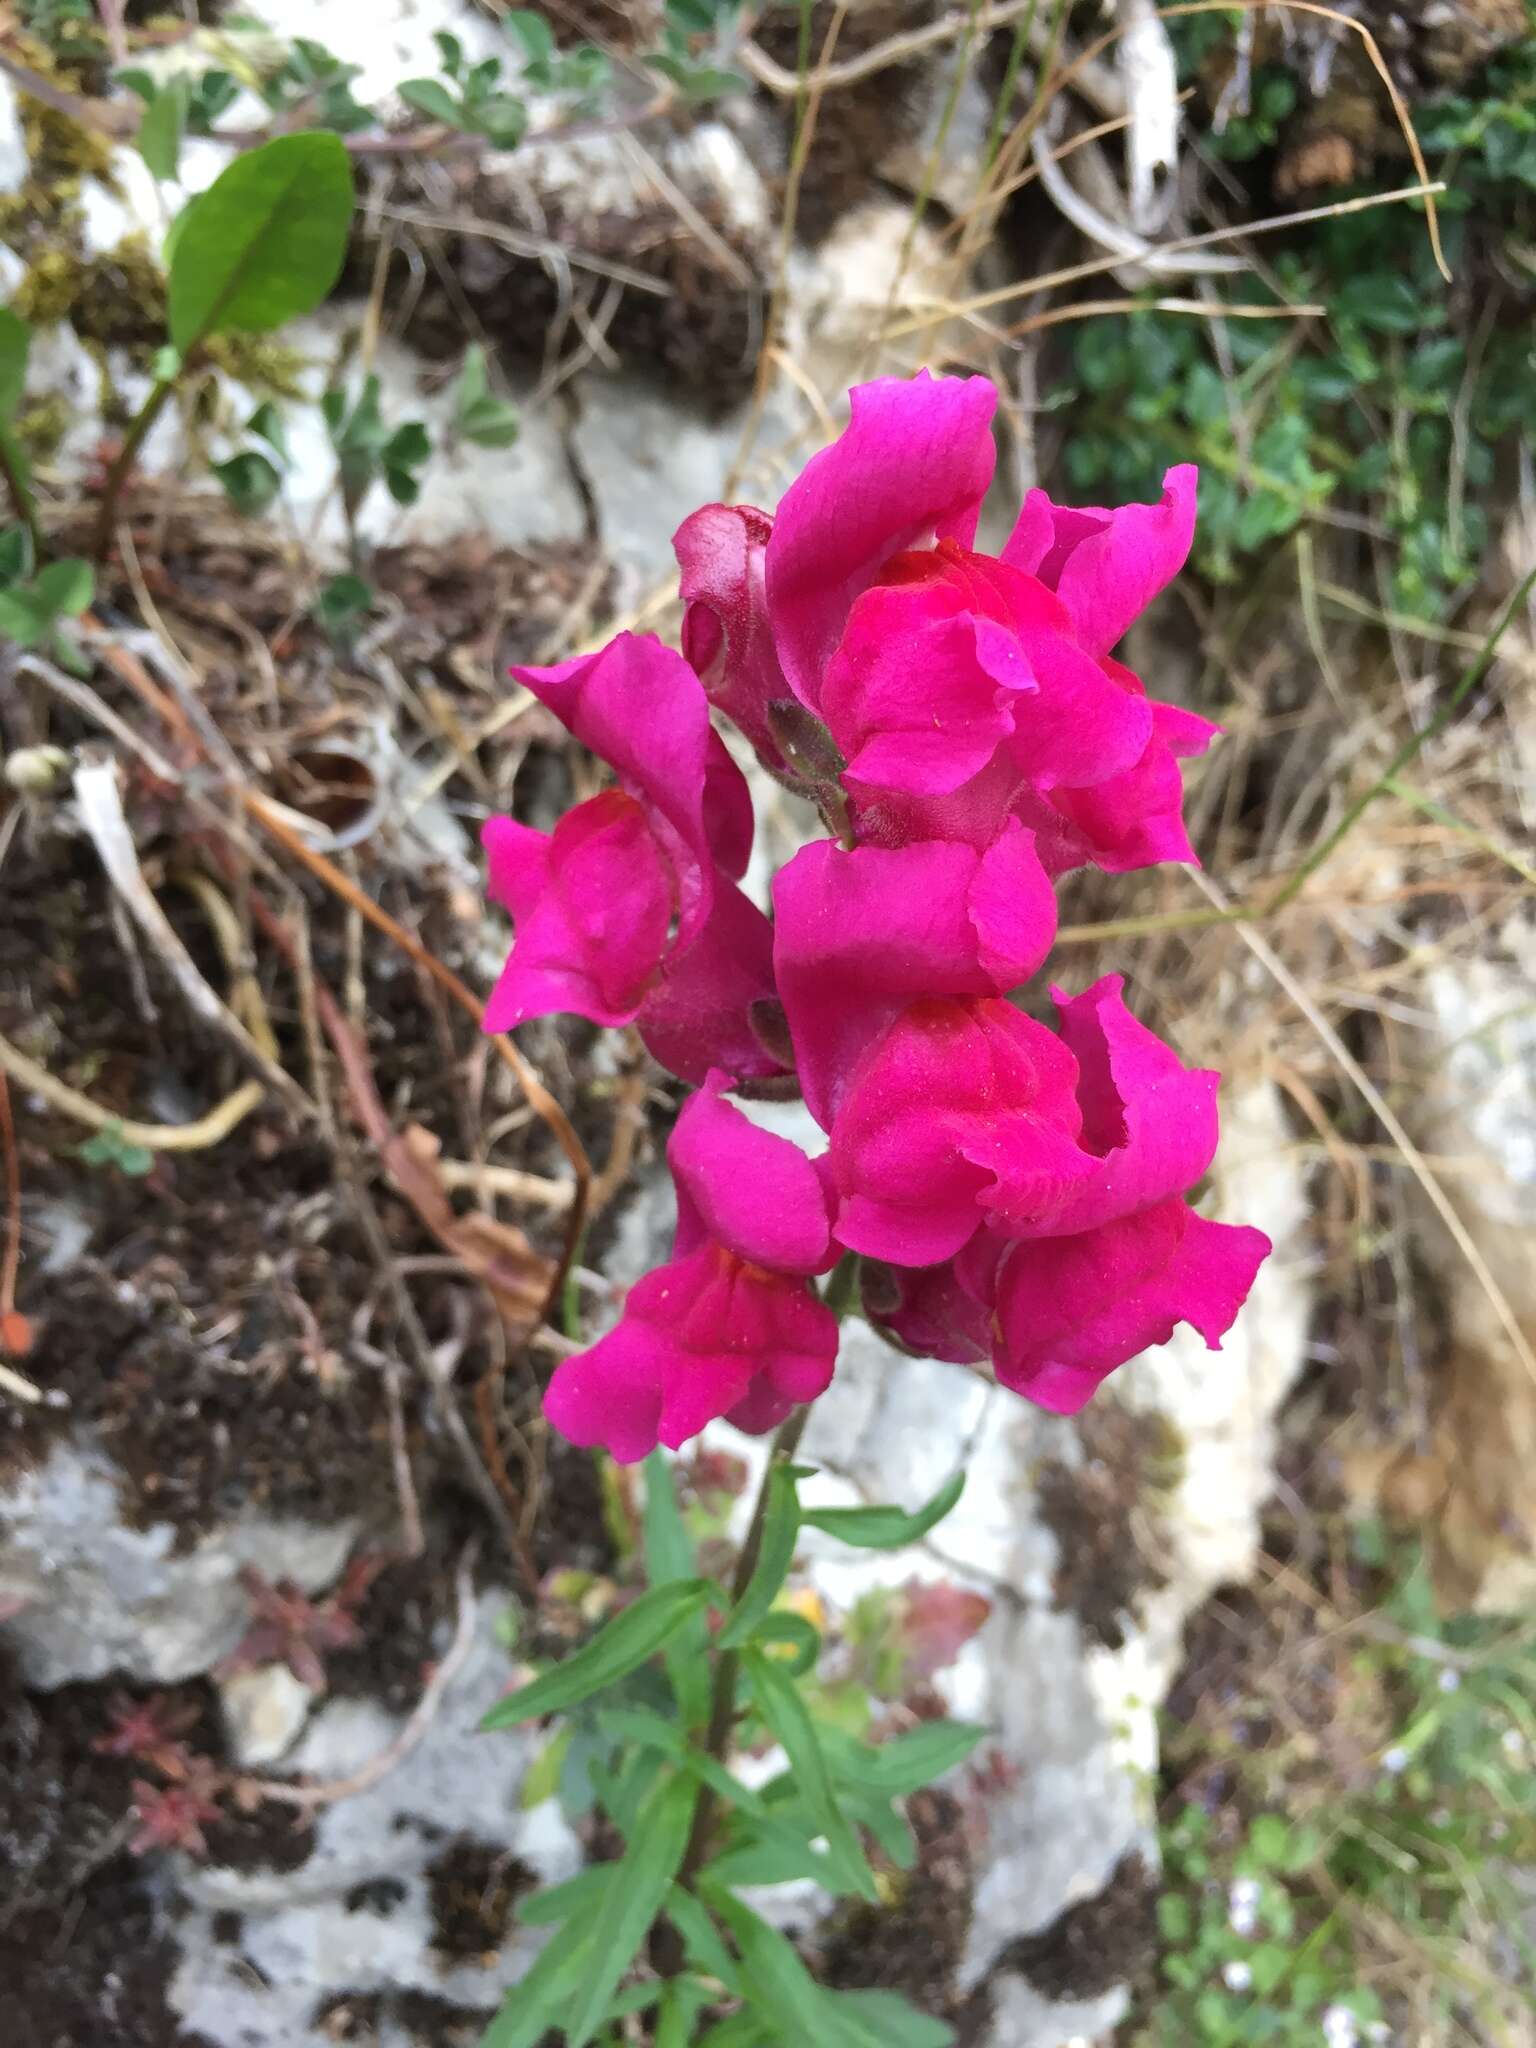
[
  {"x": 779, "y": 1702},
  {"x": 906, "y": 1762},
  {"x": 536, "y": 2002},
  {"x": 163, "y": 125},
  {"x": 264, "y": 243},
  {"x": 885, "y": 1528},
  {"x": 641, "y": 1884},
  {"x": 619, "y": 1647},
  {"x": 669, "y": 1556},
  {"x": 15, "y": 345},
  {"x": 781, "y": 1529}
]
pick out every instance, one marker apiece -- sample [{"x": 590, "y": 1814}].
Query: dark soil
[
  {"x": 859, "y": 123},
  {"x": 1096, "y": 1944},
  {"x": 358, "y": 2018},
  {"x": 1099, "y": 1513},
  {"x": 914, "y": 1945},
  {"x": 474, "y": 1886}
]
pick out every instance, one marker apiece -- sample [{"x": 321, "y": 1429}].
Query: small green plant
[
  {"x": 478, "y": 414},
  {"x": 650, "y": 1701},
  {"x": 315, "y": 86},
  {"x": 369, "y": 450},
  {"x": 36, "y": 603},
  {"x": 476, "y": 105},
  {"x": 253, "y": 477},
  {"x": 109, "y": 1148},
  {"x": 341, "y": 609},
  {"x": 1269, "y": 1931},
  {"x": 696, "y": 72}
]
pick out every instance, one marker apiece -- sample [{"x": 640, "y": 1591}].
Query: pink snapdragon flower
[
  {"x": 1018, "y": 1194},
  {"x": 628, "y": 911},
  {"x": 958, "y": 688},
  {"x": 730, "y": 1325}
]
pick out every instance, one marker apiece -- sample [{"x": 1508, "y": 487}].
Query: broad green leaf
[
  {"x": 163, "y": 125},
  {"x": 266, "y": 423},
  {"x": 66, "y": 587},
  {"x": 532, "y": 31},
  {"x": 908, "y": 1761},
  {"x": 781, "y": 1528},
  {"x": 428, "y": 96},
  {"x": 15, "y": 341},
  {"x": 641, "y": 1883},
  {"x": 501, "y": 119},
  {"x": 264, "y": 243},
  {"x": 669, "y": 1556},
  {"x": 779, "y": 1702},
  {"x": 618, "y": 1648},
  {"x": 250, "y": 480},
  {"x": 21, "y": 618},
  {"x": 885, "y": 1528}
]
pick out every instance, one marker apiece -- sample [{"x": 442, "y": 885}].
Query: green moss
[
  {"x": 41, "y": 427},
  {"x": 47, "y": 294},
  {"x": 259, "y": 362},
  {"x": 120, "y": 301}
]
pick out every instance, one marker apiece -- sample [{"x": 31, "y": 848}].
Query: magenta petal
[
  {"x": 726, "y": 636},
  {"x": 859, "y": 934},
  {"x": 695, "y": 1337},
  {"x": 920, "y": 691},
  {"x": 933, "y": 1313},
  {"x": 592, "y": 930},
  {"x": 638, "y": 706},
  {"x": 956, "y": 1098},
  {"x": 1080, "y": 726},
  {"x": 1072, "y": 1309},
  {"x": 1107, "y": 565},
  {"x": 912, "y": 465},
  {"x": 1135, "y": 820},
  {"x": 1150, "y": 1120},
  {"x": 697, "y": 1016},
  {"x": 747, "y": 1188}
]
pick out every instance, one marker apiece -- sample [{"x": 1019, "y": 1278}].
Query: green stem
[
  {"x": 722, "y": 1703},
  {"x": 21, "y": 497},
  {"x": 1021, "y": 35},
  {"x": 117, "y": 475}
]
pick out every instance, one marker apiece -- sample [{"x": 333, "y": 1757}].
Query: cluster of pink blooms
[{"x": 1016, "y": 1192}]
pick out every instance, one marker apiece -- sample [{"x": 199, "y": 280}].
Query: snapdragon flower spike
[
  {"x": 628, "y": 912},
  {"x": 730, "y": 1325}
]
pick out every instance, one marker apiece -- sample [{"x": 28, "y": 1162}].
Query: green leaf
[
  {"x": 682, "y": 2000},
  {"x": 15, "y": 554},
  {"x": 15, "y": 341},
  {"x": 906, "y": 1763},
  {"x": 881, "y": 2019},
  {"x": 533, "y": 32},
  {"x": 779, "y": 1702},
  {"x": 669, "y": 1556},
  {"x": 885, "y": 1528},
  {"x": 701, "y": 1940},
  {"x": 21, "y": 618},
  {"x": 430, "y": 97},
  {"x": 501, "y": 119},
  {"x": 266, "y": 423},
  {"x": 641, "y": 1883},
  {"x": 549, "y": 1908},
  {"x": 479, "y": 415},
  {"x": 108, "y": 1147},
  {"x": 250, "y": 480},
  {"x": 618, "y": 1648},
  {"x": 781, "y": 1626},
  {"x": 264, "y": 243},
  {"x": 535, "y": 2002},
  {"x": 408, "y": 446},
  {"x": 163, "y": 126},
  {"x": 780, "y": 1988},
  {"x": 66, "y": 587},
  {"x": 781, "y": 1530}
]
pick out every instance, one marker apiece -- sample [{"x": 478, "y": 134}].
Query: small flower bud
[{"x": 36, "y": 771}]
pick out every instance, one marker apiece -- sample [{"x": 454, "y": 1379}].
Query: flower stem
[
  {"x": 722, "y": 1705},
  {"x": 21, "y": 497},
  {"x": 117, "y": 475}
]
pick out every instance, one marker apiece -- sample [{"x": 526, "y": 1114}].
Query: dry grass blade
[
  {"x": 1412, "y": 1157},
  {"x": 194, "y": 1137},
  {"x": 98, "y": 794}
]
